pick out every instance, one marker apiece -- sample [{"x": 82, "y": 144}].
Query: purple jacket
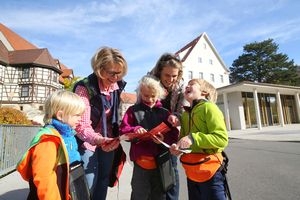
[{"x": 152, "y": 117}]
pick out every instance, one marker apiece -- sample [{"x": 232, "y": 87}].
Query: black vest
[
  {"x": 148, "y": 117},
  {"x": 99, "y": 103}
]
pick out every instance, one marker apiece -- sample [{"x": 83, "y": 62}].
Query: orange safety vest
[{"x": 24, "y": 166}]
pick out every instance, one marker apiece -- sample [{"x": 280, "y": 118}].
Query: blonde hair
[
  {"x": 205, "y": 86},
  {"x": 150, "y": 82},
  {"x": 105, "y": 56},
  {"x": 66, "y": 101}
]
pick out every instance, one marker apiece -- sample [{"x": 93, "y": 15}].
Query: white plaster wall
[
  {"x": 236, "y": 111},
  {"x": 204, "y": 50}
]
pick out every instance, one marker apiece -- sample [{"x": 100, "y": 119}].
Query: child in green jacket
[{"x": 203, "y": 131}]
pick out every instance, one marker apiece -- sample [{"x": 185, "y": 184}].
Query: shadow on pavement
[{"x": 19, "y": 194}]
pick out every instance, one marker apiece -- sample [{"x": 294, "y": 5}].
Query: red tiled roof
[
  {"x": 33, "y": 56},
  {"x": 190, "y": 45},
  {"x": 15, "y": 40},
  {"x": 128, "y": 97},
  {"x": 3, "y": 53},
  {"x": 66, "y": 71}
]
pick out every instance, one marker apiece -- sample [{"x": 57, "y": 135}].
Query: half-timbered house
[{"x": 28, "y": 75}]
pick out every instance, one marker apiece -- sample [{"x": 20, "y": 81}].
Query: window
[
  {"x": 222, "y": 78},
  {"x": 212, "y": 77},
  {"x": 199, "y": 60},
  {"x": 210, "y": 61},
  {"x": 201, "y": 75},
  {"x": 204, "y": 45},
  {"x": 25, "y": 73},
  {"x": 25, "y": 91},
  {"x": 54, "y": 77},
  {"x": 190, "y": 75}
]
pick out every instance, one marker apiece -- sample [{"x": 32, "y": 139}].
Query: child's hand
[
  {"x": 140, "y": 130},
  {"x": 185, "y": 142},
  {"x": 174, "y": 150},
  {"x": 173, "y": 120}
]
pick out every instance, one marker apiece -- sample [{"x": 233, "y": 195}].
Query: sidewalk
[
  {"x": 12, "y": 186},
  {"x": 289, "y": 133}
]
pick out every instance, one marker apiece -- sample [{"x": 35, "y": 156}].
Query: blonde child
[
  {"x": 46, "y": 164},
  {"x": 146, "y": 114},
  {"x": 204, "y": 132}
]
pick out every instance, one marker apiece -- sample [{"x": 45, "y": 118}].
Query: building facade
[
  {"x": 28, "y": 75},
  {"x": 201, "y": 60},
  {"x": 244, "y": 105},
  {"x": 257, "y": 105}
]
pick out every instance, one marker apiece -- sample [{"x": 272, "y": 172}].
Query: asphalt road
[
  {"x": 264, "y": 170},
  {"x": 258, "y": 170}
]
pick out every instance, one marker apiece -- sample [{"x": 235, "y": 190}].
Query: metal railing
[{"x": 14, "y": 141}]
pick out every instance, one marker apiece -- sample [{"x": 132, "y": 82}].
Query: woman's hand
[
  {"x": 112, "y": 145},
  {"x": 107, "y": 144}
]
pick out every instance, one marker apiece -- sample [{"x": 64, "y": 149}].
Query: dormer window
[{"x": 25, "y": 73}]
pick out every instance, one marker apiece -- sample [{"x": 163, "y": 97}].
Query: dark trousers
[
  {"x": 173, "y": 193},
  {"x": 146, "y": 184},
  {"x": 212, "y": 189}
]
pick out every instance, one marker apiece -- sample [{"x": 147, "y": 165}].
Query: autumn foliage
[{"x": 13, "y": 116}]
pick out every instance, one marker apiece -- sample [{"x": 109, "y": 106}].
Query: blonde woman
[{"x": 98, "y": 126}]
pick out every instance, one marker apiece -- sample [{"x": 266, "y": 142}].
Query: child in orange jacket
[{"x": 45, "y": 165}]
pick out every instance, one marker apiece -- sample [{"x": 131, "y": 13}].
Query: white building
[
  {"x": 246, "y": 104},
  {"x": 201, "y": 60}
]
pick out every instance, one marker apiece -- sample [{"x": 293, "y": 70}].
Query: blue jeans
[
  {"x": 173, "y": 193},
  {"x": 97, "y": 167},
  {"x": 212, "y": 189}
]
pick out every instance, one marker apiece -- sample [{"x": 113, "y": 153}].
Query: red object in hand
[{"x": 162, "y": 128}]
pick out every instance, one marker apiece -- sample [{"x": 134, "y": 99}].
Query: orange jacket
[{"x": 45, "y": 166}]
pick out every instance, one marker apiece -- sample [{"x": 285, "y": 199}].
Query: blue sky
[{"x": 144, "y": 29}]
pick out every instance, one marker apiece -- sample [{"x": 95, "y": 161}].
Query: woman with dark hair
[{"x": 169, "y": 70}]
